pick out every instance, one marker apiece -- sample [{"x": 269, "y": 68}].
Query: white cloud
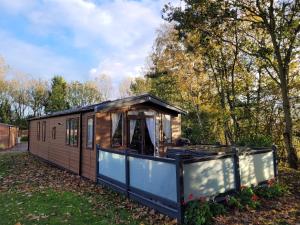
[
  {"x": 38, "y": 61},
  {"x": 119, "y": 33},
  {"x": 17, "y": 6}
]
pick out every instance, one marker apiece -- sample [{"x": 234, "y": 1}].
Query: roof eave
[{"x": 138, "y": 100}]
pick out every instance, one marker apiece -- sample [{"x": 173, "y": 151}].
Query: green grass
[
  {"x": 7, "y": 163},
  {"x": 26, "y": 199},
  {"x": 53, "y": 207}
]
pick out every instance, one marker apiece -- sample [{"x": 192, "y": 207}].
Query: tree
[
  {"x": 82, "y": 94},
  {"x": 38, "y": 94},
  {"x": 5, "y": 112},
  {"x": 19, "y": 94},
  {"x": 124, "y": 87},
  {"x": 177, "y": 76},
  {"x": 4, "y": 95},
  {"x": 57, "y": 95},
  {"x": 269, "y": 32},
  {"x": 279, "y": 21},
  {"x": 104, "y": 84},
  {"x": 139, "y": 86}
]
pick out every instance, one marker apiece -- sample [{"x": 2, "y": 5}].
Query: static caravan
[
  {"x": 143, "y": 123},
  {"x": 8, "y": 136}
]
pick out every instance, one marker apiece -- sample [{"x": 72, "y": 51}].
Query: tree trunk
[{"x": 288, "y": 129}]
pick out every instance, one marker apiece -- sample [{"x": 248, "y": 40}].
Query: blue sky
[{"x": 78, "y": 39}]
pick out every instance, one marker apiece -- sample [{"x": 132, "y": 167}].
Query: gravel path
[{"x": 22, "y": 147}]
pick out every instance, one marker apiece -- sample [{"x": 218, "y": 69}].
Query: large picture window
[
  {"x": 117, "y": 129},
  {"x": 72, "y": 132},
  {"x": 90, "y": 132}
]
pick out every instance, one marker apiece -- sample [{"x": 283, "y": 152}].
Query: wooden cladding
[
  {"x": 72, "y": 132},
  {"x": 8, "y": 136},
  {"x": 62, "y": 135}
]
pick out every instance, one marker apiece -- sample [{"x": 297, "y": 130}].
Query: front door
[{"x": 139, "y": 137}]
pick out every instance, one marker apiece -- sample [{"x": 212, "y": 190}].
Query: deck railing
[{"x": 167, "y": 184}]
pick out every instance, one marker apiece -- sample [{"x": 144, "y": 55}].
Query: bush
[
  {"x": 272, "y": 190},
  {"x": 199, "y": 213},
  {"x": 256, "y": 141},
  {"x": 24, "y": 139},
  {"x": 216, "y": 209},
  {"x": 246, "y": 197},
  {"x": 202, "y": 212},
  {"x": 233, "y": 202}
]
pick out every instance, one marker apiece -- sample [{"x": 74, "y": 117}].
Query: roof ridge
[{"x": 109, "y": 103}]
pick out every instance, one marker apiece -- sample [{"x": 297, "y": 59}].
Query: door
[{"x": 139, "y": 137}]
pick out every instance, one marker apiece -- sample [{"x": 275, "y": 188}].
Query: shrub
[
  {"x": 272, "y": 190},
  {"x": 246, "y": 197},
  {"x": 199, "y": 212},
  {"x": 256, "y": 141},
  {"x": 24, "y": 138},
  {"x": 233, "y": 202},
  {"x": 249, "y": 198},
  {"x": 216, "y": 208}
]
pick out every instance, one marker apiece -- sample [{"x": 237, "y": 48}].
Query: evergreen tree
[
  {"x": 5, "y": 112},
  {"x": 57, "y": 95}
]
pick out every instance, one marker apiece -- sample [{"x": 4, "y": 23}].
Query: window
[
  {"x": 68, "y": 132},
  {"x": 38, "y": 131},
  {"x": 167, "y": 129},
  {"x": 53, "y": 132},
  {"x": 72, "y": 132},
  {"x": 44, "y": 131},
  {"x": 117, "y": 129},
  {"x": 90, "y": 133}
]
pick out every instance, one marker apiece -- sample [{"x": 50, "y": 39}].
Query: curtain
[
  {"x": 132, "y": 127},
  {"x": 151, "y": 128},
  {"x": 115, "y": 118},
  {"x": 167, "y": 127},
  {"x": 157, "y": 127}
]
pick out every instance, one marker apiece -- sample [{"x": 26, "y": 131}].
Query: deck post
[
  {"x": 180, "y": 189},
  {"x": 237, "y": 177},
  {"x": 127, "y": 173},
  {"x": 97, "y": 161},
  {"x": 275, "y": 161}
]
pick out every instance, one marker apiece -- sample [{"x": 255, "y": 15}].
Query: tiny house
[
  {"x": 8, "y": 136},
  {"x": 143, "y": 123},
  {"x": 93, "y": 141}
]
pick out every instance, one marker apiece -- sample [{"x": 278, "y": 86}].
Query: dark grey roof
[
  {"x": 8, "y": 125},
  {"x": 108, "y": 105},
  {"x": 133, "y": 100}
]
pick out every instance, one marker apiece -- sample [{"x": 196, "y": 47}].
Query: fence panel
[
  {"x": 155, "y": 177},
  {"x": 164, "y": 184},
  {"x": 256, "y": 168},
  {"x": 208, "y": 178},
  {"x": 112, "y": 165}
]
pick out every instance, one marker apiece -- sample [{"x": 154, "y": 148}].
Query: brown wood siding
[
  {"x": 103, "y": 129},
  {"x": 8, "y": 136},
  {"x": 176, "y": 128},
  {"x": 88, "y": 163},
  {"x": 55, "y": 150},
  {"x": 58, "y": 152}
]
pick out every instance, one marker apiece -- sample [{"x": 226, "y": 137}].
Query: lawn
[{"x": 33, "y": 192}]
